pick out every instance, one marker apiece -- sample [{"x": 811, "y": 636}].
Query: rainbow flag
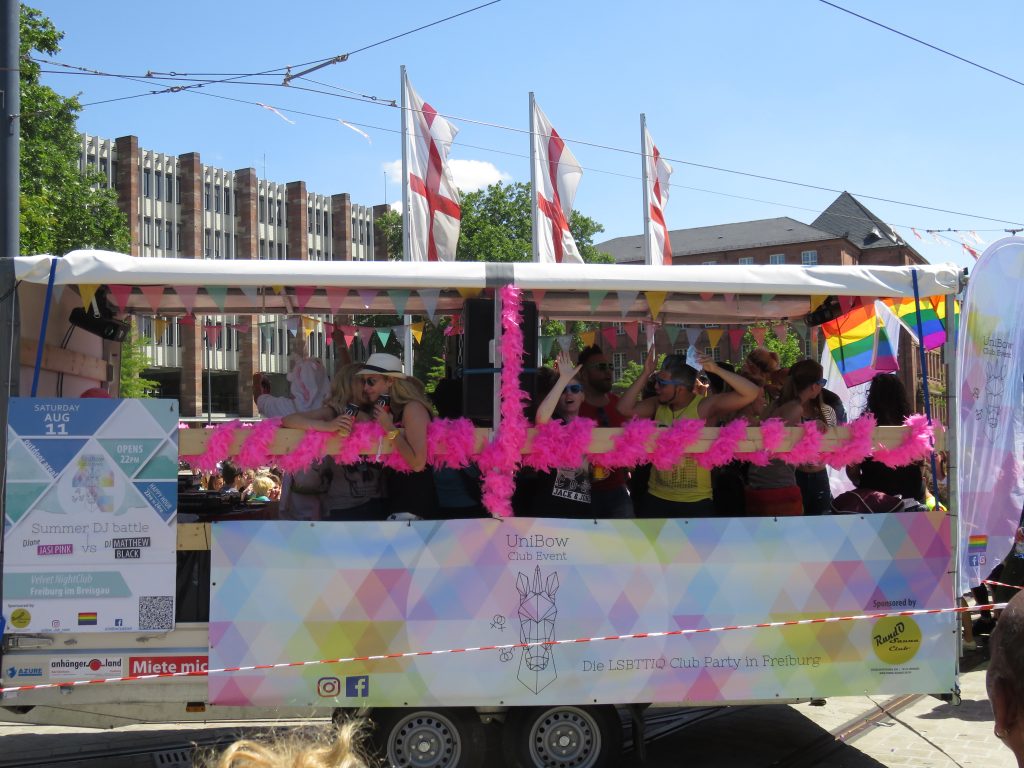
[
  {"x": 851, "y": 341},
  {"x": 87, "y": 619},
  {"x": 906, "y": 311},
  {"x": 939, "y": 303},
  {"x": 884, "y": 358},
  {"x": 977, "y": 543}
]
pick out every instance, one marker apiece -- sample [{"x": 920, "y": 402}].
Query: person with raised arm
[{"x": 684, "y": 490}]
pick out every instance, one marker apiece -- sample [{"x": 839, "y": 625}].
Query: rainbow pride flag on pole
[
  {"x": 851, "y": 341},
  {"x": 931, "y": 323}
]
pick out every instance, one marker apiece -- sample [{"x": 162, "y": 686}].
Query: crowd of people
[{"x": 715, "y": 392}]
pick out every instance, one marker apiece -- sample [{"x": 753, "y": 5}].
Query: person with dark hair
[
  {"x": 1005, "y": 677},
  {"x": 833, "y": 401},
  {"x": 685, "y": 490},
  {"x": 459, "y": 494},
  {"x": 800, "y": 401},
  {"x": 610, "y": 495},
  {"x": 888, "y": 402}
]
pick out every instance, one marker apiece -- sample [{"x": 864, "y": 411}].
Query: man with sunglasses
[
  {"x": 684, "y": 490},
  {"x": 610, "y": 496}
]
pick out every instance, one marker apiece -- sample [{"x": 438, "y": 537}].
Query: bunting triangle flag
[
  {"x": 366, "y": 296},
  {"x": 565, "y": 342},
  {"x": 335, "y": 298},
  {"x": 817, "y": 301},
  {"x": 187, "y": 294},
  {"x": 758, "y": 332},
  {"x": 545, "y": 346},
  {"x": 384, "y": 336},
  {"x": 728, "y": 296},
  {"x": 87, "y": 292},
  {"x": 212, "y": 335},
  {"x": 706, "y": 296},
  {"x": 654, "y": 301},
  {"x": 714, "y": 337},
  {"x": 846, "y": 303},
  {"x": 242, "y": 327},
  {"x": 219, "y": 294},
  {"x": 686, "y": 333},
  {"x": 538, "y": 296},
  {"x": 399, "y": 299},
  {"x": 328, "y": 330},
  {"x": 348, "y": 333},
  {"x": 303, "y": 293},
  {"x": 596, "y": 297},
  {"x": 429, "y": 298},
  {"x": 632, "y": 329},
  {"x": 292, "y": 324},
  {"x": 278, "y": 289},
  {"x": 801, "y": 331},
  {"x": 588, "y": 338},
  {"x": 365, "y": 333},
  {"x": 468, "y": 293},
  {"x": 154, "y": 295},
  {"x": 736, "y": 339},
  {"x": 766, "y": 297},
  {"x": 159, "y": 327},
  {"x": 626, "y": 299},
  {"x": 611, "y": 337},
  {"x": 251, "y": 292},
  {"x": 781, "y": 332},
  {"x": 308, "y": 326},
  {"x": 417, "y": 331},
  {"x": 672, "y": 331},
  {"x": 120, "y": 294},
  {"x": 187, "y": 320}
]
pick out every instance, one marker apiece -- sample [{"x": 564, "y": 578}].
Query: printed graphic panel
[
  {"x": 89, "y": 529},
  {"x": 290, "y": 591}
]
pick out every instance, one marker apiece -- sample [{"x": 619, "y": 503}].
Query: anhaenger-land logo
[{"x": 896, "y": 639}]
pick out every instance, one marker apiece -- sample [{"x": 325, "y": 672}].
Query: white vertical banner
[
  {"x": 990, "y": 439},
  {"x": 431, "y": 214},
  {"x": 555, "y": 174},
  {"x": 656, "y": 174}
]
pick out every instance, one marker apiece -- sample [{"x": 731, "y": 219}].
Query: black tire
[
  {"x": 563, "y": 737},
  {"x": 428, "y": 738}
]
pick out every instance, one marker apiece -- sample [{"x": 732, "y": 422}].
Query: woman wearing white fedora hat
[{"x": 402, "y": 409}]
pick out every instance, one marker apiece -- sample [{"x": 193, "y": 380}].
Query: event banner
[
  {"x": 990, "y": 440},
  {"x": 89, "y": 530},
  {"x": 286, "y": 591}
]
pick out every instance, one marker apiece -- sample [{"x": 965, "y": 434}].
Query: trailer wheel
[
  {"x": 429, "y": 738},
  {"x": 563, "y": 737}
]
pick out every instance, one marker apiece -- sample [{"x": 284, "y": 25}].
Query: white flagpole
[
  {"x": 533, "y": 179},
  {"x": 407, "y": 353},
  {"x": 644, "y": 150}
]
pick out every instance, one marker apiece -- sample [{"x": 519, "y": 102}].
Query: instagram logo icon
[{"x": 328, "y": 687}]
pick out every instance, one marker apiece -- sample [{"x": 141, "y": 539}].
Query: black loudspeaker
[
  {"x": 107, "y": 328},
  {"x": 827, "y": 311},
  {"x": 478, "y": 379}
]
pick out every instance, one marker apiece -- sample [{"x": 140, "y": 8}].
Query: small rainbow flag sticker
[
  {"x": 87, "y": 619},
  {"x": 977, "y": 543}
]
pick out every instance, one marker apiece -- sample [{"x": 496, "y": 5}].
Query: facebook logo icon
[{"x": 357, "y": 686}]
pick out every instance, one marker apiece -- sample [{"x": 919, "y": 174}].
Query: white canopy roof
[{"x": 737, "y": 293}]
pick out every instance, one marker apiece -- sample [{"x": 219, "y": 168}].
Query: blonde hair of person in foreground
[{"x": 320, "y": 747}]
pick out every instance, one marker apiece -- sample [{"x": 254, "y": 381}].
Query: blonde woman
[{"x": 401, "y": 408}]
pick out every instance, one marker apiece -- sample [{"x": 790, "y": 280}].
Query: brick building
[
  {"x": 846, "y": 233},
  {"x": 178, "y": 206}
]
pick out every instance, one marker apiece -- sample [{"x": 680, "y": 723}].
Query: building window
[
  {"x": 229, "y": 245},
  {"x": 809, "y": 258},
  {"x": 713, "y": 353},
  {"x": 263, "y": 248},
  {"x": 177, "y": 190},
  {"x": 228, "y": 194},
  {"x": 777, "y": 258},
  {"x": 158, "y": 185},
  {"x": 745, "y": 260},
  {"x": 270, "y": 210},
  {"x": 618, "y": 365},
  {"x": 147, "y": 225},
  {"x": 279, "y": 252},
  {"x": 216, "y": 199},
  {"x": 206, "y": 244},
  {"x": 177, "y": 235},
  {"x": 280, "y": 218},
  {"x": 147, "y": 182},
  {"x": 263, "y": 208},
  {"x": 170, "y": 233},
  {"x": 309, "y": 220},
  {"x": 159, "y": 233},
  {"x": 206, "y": 196},
  {"x": 216, "y": 245},
  {"x": 708, "y": 263}
]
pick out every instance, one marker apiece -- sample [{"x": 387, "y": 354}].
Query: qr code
[{"x": 156, "y": 612}]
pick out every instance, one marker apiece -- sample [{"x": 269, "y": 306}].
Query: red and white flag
[
  {"x": 431, "y": 214},
  {"x": 555, "y": 174},
  {"x": 656, "y": 175}
]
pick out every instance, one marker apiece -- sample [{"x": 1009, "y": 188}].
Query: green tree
[
  {"x": 134, "y": 361},
  {"x": 389, "y": 226},
  {"x": 789, "y": 351},
  {"x": 61, "y": 208}
]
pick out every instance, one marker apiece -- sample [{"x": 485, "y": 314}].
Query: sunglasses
[
  {"x": 668, "y": 382},
  {"x": 370, "y": 381},
  {"x": 600, "y": 366},
  {"x": 572, "y": 389}
]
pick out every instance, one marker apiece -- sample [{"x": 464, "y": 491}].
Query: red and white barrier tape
[
  {"x": 507, "y": 646},
  {"x": 1000, "y": 584}
]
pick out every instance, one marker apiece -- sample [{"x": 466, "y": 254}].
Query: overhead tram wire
[{"x": 922, "y": 42}]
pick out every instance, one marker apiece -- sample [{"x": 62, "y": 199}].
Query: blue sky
[{"x": 794, "y": 90}]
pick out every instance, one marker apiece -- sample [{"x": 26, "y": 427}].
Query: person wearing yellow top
[{"x": 685, "y": 490}]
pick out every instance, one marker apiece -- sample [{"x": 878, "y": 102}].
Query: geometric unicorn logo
[{"x": 537, "y": 612}]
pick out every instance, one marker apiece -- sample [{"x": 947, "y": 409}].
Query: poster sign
[
  {"x": 990, "y": 384},
  {"x": 287, "y": 591},
  {"x": 89, "y": 530}
]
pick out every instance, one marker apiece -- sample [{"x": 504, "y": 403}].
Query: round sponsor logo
[
  {"x": 20, "y": 618},
  {"x": 896, "y": 639}
]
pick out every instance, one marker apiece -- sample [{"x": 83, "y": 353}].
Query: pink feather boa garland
[
  {"x": 450, "y": 443},
  {"x": 254, "y": 451},
  {"x": 723, "y": 449},
  {"x": 560, "y": 445},
  {"x": 629, "y": 448},
  {"x": 502, "y": 457},
  {"x": 673, "y": 442},
  {"x": 773, "y": 432},
  {"x": 807, "y": 449},
  {"x": 218, "y": 446},
  {"x": 856, "y": 447},
  {"x": 363, "y": 438},
  {"x": 310, "y": 448},
  {"x": 915, "y": 446}
]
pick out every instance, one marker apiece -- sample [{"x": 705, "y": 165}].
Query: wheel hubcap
[
  {"x": 565, "y": 737},
  {"x": 424, "y": 740}
]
